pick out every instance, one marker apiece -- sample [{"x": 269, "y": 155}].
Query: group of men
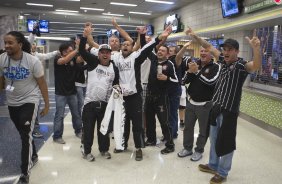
[{"x": 213, "y": 94}]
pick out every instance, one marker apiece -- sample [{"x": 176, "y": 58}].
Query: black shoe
[
  {"x": 147, "y": 143},
  {"x": 24, "y": 179},
  {"x": 37, "y": 134},
  {"x": 181, "y": 126},
  {"x": 163, "y": 139},
  {"x": 34, "y": 160},
  {"x": 167, "y": 150},
  {"x": 138, "y": 155}
]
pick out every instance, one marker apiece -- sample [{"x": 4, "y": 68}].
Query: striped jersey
[{"x": 228, "y": 89}]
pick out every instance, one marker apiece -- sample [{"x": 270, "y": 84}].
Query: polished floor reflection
[{"x": 257, "y": 160}]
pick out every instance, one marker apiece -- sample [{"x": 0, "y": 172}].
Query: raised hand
[
  {"x": 87, "y": 31},
  {"x": 186, "y": 45},
  {"x": 189, "y": 31},
  {"x": 114, "y": 22},
  {"x": 254, "y": 42},
  {"x": 167, "y": 31},
  {"x": 88, "y": 24},
  {"x": 141, "y": 29}
]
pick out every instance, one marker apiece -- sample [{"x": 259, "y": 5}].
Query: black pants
[
  {"x": 158, "y": 105},
  {"x": 24, "y": 117},
  {"x": 133, "y": 111},
  {"x": 92, "y": 112}
]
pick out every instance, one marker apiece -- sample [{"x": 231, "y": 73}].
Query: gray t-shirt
[{"x": 21, "y": 75}]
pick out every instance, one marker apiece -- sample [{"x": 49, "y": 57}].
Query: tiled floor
[{"x": 257, "y": 160}]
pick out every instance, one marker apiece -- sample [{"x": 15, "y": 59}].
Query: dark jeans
[
  {"x": 133, "y": 111},
  {"x": 23, "y": 117},
  {"x": 92, "y": 112},
  {"x": 174, "y": 101},
  {"x": 158, "y": 105}
]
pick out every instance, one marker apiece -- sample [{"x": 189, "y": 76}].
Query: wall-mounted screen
[
  {"x": 174, "y": 21},
  {"x": 231, "y": 7},
  {"x": 43, "y": 25}
]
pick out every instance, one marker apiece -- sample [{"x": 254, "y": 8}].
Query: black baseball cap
[
  {"x": 105, "y": 47},
  {"x": 230, "y": 42}
]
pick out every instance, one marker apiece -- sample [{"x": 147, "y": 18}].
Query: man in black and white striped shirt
[{"x": 226, "y": 102}]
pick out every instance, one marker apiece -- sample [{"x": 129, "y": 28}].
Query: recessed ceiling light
[
  {"x": 122, "y": 4},
  {"x": 95, "y": 9},
  {"x": 69, "y": 11},
  {"x": 141, "y": 13},
  {"x": 111, "y": 14},
  {"x": 162, "y": 2},
  {"x": 34, "y": 4}
]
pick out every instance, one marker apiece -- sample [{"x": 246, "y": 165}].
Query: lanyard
[{"x": 9, "y": 63}]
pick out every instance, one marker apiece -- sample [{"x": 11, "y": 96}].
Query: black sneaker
[
  {"x": 167, "y": 150},
  {"x": 37, "y": 134},
  {"x": 181, "y": 126},
  {"x": 34, "y": 160},
  {"x": 163, "y": 139},
  {"x": 24, "y": 179},
  {"x": 138, "y": 155},
  {"x": 147, "y": 143},
  {"x": 119, "y": 150}
]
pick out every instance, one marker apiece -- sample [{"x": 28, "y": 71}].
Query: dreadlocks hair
[{"x": 26, "y": 47}]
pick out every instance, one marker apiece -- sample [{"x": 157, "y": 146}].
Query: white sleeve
[
  {"x": 31, "y": 38},
  {"x": 46, "y": 56},
  {"x": 94, "y": 51}
]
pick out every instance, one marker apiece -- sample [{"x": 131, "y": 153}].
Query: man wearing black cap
[
  {"x": 102, "y": 75},
  {"x": 226, "y": 102}
]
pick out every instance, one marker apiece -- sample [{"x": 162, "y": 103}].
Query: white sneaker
[
  {"x": 89, "y": 157},
  {"x": 196, "y": 156},
  {"x": 184, "y": 153}
]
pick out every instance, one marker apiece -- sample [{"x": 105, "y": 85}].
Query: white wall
[
  {"x": 7, "y": 24},
  {"x": 207, "y": 13}
]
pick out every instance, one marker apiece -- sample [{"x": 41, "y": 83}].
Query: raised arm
[
  {"x": 90, "y": 39},
  {"x": 179, "y": 55},
  {"x": 67, "y": 58},
  {"x": 90, "y": 59},
  {"x": 203, "y": 43},
  {"x": 46, "y": 56},
  {"x": 147, "y": 49},
  {"x": 254, "y": 65},
  {"x": 121, "y": 31}
]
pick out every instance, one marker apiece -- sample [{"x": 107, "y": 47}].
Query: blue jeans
[
  {"x": 61, "y": 102},
  {"x": 220, "y": 164},
  {"x": 81, "y": 91}
]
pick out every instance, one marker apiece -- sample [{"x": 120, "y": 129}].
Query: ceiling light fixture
[
  {"x": 69, "y": 11},
  {"x": 122, "y": 4},
  {"x": 95, "y": 9},
  {"x": 34, "y": 4},
  {"x": 162, "y": 2},
  {"x": 111, "y": 14},
  {"x": 141, "y": 13}
]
